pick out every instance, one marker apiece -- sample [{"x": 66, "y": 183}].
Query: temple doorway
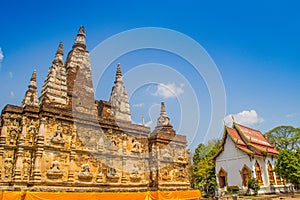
[{"x": 222, "y": 176}]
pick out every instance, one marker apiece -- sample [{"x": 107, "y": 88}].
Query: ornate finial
[
  {"x": 119, "y": 72},
  {"x": 163, "y": 111},
  {"x": 80, "y": 39},
  {"x": 81, "y": 30},
  {"x": 59, "y": 54},
  {"x": 60, "y": 49},
  {"x": 33, "y": 78},
  {"x": 119, "y": 78},
  {"x": 232, "y": 118}
]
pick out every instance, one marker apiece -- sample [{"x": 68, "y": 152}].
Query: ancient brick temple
[{"x": 65, "y": 140}]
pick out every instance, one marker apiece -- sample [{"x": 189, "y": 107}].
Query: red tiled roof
[
  {"x": 235, "y": 136},
  {"x": 249, "y": 140},
  {"x": 252, "y": 136},
  {"x": 239, "y": 143},
  {"x": 245, "y": 149},
  {"x": 265, "y": 149}
]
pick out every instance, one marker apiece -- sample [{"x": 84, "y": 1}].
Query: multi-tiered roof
[{"x": 249, "y": 140}]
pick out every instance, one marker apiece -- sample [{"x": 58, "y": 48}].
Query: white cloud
[
  {"x": 138, "y": 105},
  {"x": 12, "y": 94},
  {"x": 1, "y": 55},
  {"x": 291, "y": 115},
  {"x": 169, "y": 90},
  {"x": 245, "y": 117},
  {"x": 149, "y": 124}
]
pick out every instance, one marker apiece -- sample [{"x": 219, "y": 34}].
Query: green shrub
[
  {"x": 253, "y": 185},
  {"x": 233, "y": 189}
]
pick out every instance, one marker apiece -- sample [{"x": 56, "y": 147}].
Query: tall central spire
[
  {"x": 79, "y": 76},
  {"x": 119, "y": 98}
]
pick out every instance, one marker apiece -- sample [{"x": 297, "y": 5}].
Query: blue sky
[{"x": 254, "y": 44}]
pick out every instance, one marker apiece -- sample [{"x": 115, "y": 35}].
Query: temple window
[
  {"x": 246, "y": 175},
  {"x": 270, "y": 173},
  {"x": 258, "y": 173}
]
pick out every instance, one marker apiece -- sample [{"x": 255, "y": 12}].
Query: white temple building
[{"x": 246, "y": 153}]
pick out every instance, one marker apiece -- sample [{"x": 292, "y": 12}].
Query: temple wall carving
[{"x": 68, "y": 141}]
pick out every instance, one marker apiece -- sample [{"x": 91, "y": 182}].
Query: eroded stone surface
[{"x": 71, "y": 142}]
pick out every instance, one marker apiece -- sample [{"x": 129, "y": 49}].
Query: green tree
[
  {"x": 288, "y": 165},
  {"x": 204, "y": 168},
  {"x": 253, "y": 185},
  {"x": 284, "y": 137}
]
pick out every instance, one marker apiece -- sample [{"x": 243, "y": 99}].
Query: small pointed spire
[
  {"x": 80, "y": 38},
  {"x": 59, "y": 54},
  {"x": 163, "y": 119},
  {"x": 31, "y": 95},
  {"x": 119, "y": 72},
  {"x": 81, "y": 31},
  {"x": 232, "y": 118},
  {"x": 60, "y": 49},
  {"x": 119, "y": 78},
  {"x": 143, "y": 119},
  {"x": 55, "y": 85},
  {"x": 33, "y": 79},
  {"x": 163, "y": 111},
  {"x": 119, "y": 98}
]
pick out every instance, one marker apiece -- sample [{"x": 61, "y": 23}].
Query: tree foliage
[
  {"x": 284, "y": 137},
  {"x": 204, "y": 168},
  {"x": 288, "y": 165},
  {"x": 253, "y": 185}
]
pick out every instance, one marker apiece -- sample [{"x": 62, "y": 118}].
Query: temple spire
[
  {"x": 80, "y": 39},
  {"x": 54, "y": 90},
  {"x": 31, "y": 95},
  {"x": 59, "y": 54},
  {"x": 80, "y": 89},
  {"x": 163, "y": 118},
  {"x": 119, "y": 98},
  {"x": 163, "y": 125}
]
